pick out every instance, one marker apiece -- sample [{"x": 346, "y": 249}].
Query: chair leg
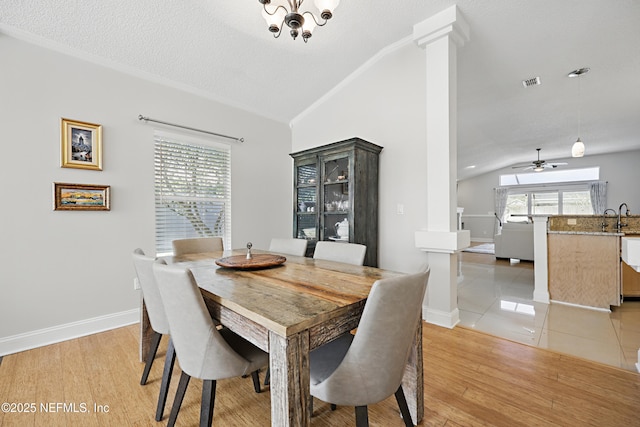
[
  {"x": 208, "y": 402},
  {"x": 155, "y": 342},
  {"x": 177, "y": 401},
  {"x": 404, "y": 408},
  {"x": 362, "y": 416},
  {"x": 333, "y": 406},
  {"x": 256, "y": 381},
  {"x": 169, "y": 361},
  {"x": 267, "y": 377}
]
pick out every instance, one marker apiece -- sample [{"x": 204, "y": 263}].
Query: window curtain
[
  {"x": 500, "y": 203},
  {"x": 598, "y": 192}
]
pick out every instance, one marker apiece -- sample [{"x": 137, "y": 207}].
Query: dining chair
[
  {"x": 203, "y": 351},
  {"x": 366, "y": 368},
  {"x": 159, "y": 324},
  {"x": 291, "y": 246},
  {"x": 197, "y": 245},
  {"x": 350, "y": 253}
]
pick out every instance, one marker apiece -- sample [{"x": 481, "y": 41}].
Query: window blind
[{"x": 192, "y": 191}]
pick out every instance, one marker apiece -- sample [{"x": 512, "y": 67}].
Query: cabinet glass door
[
  {"x": 336, "y": 200},
  {"x": 306, "y": 201}
]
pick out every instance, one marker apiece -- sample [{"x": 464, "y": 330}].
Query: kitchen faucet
[
  {"x": 604, "y": 215},
  {"x": 619, "y": 224}
]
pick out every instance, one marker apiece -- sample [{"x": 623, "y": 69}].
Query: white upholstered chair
[
  {"x": 158, "y": 320},
  {"x": 366, "y": 368},
  {"x": 197, "y": 245},
  {"x": 350, "y": 253},
  {"x": 203, "y": 351},
  {"x": 291, "y": 246}
]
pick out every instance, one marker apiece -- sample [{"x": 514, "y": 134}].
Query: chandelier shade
[{"x": 277, "y": 13}]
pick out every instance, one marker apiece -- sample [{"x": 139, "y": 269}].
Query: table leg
[
  {"x": 146, "y": 332},
  {"x": 289, "y": 365},
  {"x": 413, "y": 381}
]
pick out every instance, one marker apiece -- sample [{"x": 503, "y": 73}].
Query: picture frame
[
  {"x": 81, "y": 197},
  {"x": 80, "y": 145}
]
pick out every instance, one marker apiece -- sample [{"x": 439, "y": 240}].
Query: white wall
[
  {"x": 620, "y": 170},
  {"x": 385, "y": 105},
  {"x": 61, "y": 269}
]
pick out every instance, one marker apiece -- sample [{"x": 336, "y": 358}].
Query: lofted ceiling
[{"x": 221, "y": 49}]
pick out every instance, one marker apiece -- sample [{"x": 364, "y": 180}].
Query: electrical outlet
[
  {"x": 400, "y": 209},
  {"x": 572, "y": 221},
  {"x": 136, "y": 283}
]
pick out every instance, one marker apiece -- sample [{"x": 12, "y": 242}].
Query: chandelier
[{"x": 288, "y": 12}]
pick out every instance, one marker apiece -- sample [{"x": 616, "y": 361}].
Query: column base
[
  {"x": 442, "y": 241},
  {"x": 541, "y": 296},
  {"x": 441, "y": 318}
]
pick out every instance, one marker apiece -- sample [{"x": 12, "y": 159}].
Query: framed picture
[
  {"x": 81, "y": 145},
  {"x": 81, "y": 197}
]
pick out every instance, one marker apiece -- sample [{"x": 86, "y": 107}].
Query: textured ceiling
[{"x": 222, "y": 50}]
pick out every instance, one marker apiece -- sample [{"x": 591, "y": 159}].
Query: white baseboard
[
  {"x": 55, "y": 334},
  {"x": 588, "y": 307},
  {"x": 441, "y": 318}
]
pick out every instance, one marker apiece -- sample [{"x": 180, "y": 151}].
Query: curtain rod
[{"x": 147, "y": 119}]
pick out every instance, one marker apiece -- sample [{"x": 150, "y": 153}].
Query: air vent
[{"x": 535, "y": 81}]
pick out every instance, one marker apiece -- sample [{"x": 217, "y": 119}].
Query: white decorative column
[
  {"x": 540, "y": 261},
  {"x": 439, "y": 36}
]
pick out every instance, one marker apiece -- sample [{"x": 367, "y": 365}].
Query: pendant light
[{"x": 577, "y": 150}]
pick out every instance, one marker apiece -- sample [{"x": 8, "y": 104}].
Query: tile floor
[{"x": 496, "y": 297}]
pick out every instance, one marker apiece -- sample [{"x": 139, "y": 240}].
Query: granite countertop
[
  {"x": 592, "y": 225},
  {"x": 590, "y": 233}
]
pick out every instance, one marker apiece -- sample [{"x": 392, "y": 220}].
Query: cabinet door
[
  {"x": 306, "y": 200},
  {"x": 630, "y": 281},
  {"x": 336, "y": 222}
]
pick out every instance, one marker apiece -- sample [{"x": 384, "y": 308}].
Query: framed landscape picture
[
  {"x": 81, "y": 197},
  {"x": 81, "y": 145}
]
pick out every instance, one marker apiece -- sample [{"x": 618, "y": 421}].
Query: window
[
  {"x": 576, "y": 203},
  {"x": 522, "y": 203},
  {"x": 544, "y": 203},
  {"x": 517, "y": 207},
  {"x": 563, "y": 192},
  {"x": 551, "y": 177},
  {"x": 192, "y": 190}
]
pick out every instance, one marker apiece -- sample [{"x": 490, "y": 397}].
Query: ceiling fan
[{"x": 539, "y": 165}]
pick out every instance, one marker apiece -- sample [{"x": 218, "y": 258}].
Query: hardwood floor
[{"x": 471, "y": 379}]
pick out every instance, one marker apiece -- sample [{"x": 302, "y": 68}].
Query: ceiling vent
[{"x": 535, "y": 81}]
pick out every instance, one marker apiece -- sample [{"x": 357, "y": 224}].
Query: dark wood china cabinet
[{"x": 336, "y": 195}]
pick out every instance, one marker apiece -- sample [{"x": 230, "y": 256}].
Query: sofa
[{"x": 515, "y": 240}]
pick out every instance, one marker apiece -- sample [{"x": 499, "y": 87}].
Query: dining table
[{"x": 287, "y": 310}]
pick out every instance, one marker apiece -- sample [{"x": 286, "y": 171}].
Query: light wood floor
[{"x": 471, "y": 379}]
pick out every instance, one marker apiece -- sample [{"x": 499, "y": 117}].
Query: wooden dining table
[{"x": 288, "y": 310}]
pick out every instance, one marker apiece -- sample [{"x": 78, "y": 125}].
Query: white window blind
[{"x": 192, "y": 191}]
